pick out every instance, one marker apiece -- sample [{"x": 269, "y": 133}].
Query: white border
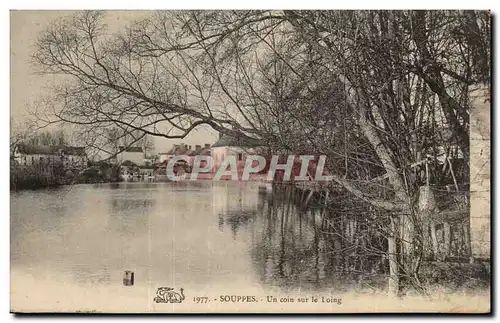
[
  {"x": 148, "y": 4},
  {"x": 254, "y": 4}
]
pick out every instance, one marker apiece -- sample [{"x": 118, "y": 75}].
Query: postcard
[{"x": 250, "y": 161}]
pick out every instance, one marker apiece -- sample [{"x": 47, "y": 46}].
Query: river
[{"x": 71, "y": 245}]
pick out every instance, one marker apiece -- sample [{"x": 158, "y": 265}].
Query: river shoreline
[{"x": 39, "y": 176}]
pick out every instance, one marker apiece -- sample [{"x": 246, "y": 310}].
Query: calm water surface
[{"x": 192, "y": 235}]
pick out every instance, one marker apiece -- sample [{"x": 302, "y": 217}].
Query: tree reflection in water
[{"x": 311, "y": 249}]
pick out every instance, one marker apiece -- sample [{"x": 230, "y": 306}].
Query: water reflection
[
  {"x": 235, "y": 219},
  {"x": 191, "y": 234},
  {"x": 309, "y": 249}
]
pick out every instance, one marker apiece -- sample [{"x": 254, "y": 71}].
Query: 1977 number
[{"x": 200, "y": 299}]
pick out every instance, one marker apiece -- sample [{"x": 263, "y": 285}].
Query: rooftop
[
  {"x": 50, "y": 150},
  {"x": 181, "y": 149},
  {"x": 205, "y": 151},
  {"x": 131, "y": 149}
]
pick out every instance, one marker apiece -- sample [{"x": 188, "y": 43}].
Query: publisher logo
[{"x": 169, "y": 295}]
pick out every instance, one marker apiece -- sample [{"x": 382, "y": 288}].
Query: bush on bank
[{"x": 41, "y": 176}]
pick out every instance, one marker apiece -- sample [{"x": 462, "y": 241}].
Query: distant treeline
[{"x": 41, "y": 176}]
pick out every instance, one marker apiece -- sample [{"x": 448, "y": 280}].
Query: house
[
  {"x": 174, "y": 151},
  {"x": 133, "y": 154},
  {"x": 73, "y": 156},
  {"x": 43, "y": 154},
  {"x": 237, "y": 146},
  {"x": 183, "y": 149},
  {"x": 199, "y": 151},
  {"x": 165, "y": 157}
]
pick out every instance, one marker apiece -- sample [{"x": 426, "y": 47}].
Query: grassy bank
[{"x": 37, "y": 176}]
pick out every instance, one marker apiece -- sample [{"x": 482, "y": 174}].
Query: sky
[{"x": 26, "y": 87}]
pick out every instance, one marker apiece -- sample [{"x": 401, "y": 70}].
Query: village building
[
  {"x": 183, "y": 149},
  {"x": 178, "y": 149},
  {"x": 232, "y": 146},
  {"x": 67, "y": 156},
  {"x": 199, "y": 150}
]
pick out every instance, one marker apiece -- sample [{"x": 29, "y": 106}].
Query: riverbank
[{"x": 36, "y": 177}]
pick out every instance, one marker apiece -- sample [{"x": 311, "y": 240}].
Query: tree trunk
[
  {"x": 406, "y": 234},
  {"x": 447, "y": 239},
  {"x": 393, "y": 260},
  {"x": 427, "y": 240},
  {"x": 401, "y": 228},
  {"x": 435, "y": 245}
]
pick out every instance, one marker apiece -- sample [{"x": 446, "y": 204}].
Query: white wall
[
  {"x": 220, "y": 153},
  {"x": 24, "y": 159},
  {"x": 69, "y": 160},
  {"x": 75, "y": 161}
]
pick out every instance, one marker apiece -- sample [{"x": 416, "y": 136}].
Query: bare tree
[{"x": 371, "y": 90}]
